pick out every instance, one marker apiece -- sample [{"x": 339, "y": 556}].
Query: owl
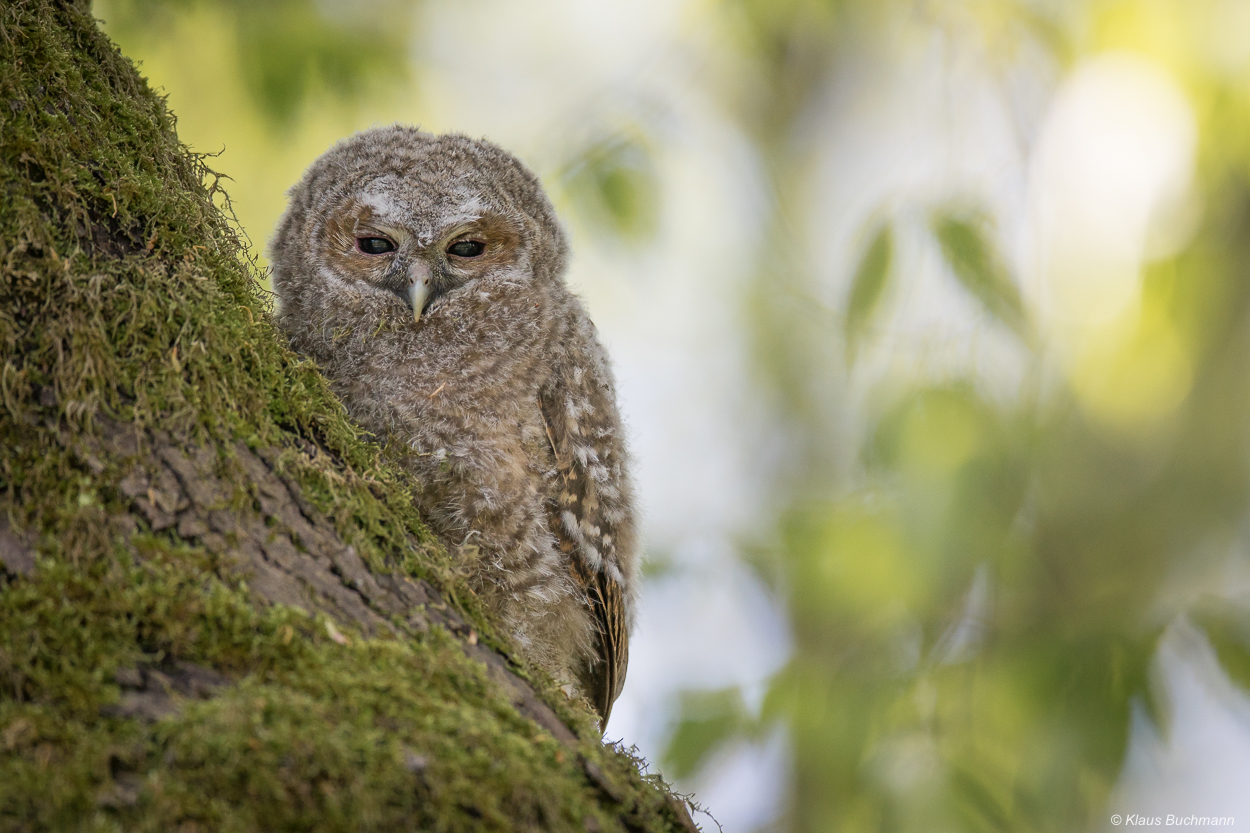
[{"x": 424, "y": 275}]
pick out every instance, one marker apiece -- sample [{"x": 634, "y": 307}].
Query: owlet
[{"x": 424, "y": 275}]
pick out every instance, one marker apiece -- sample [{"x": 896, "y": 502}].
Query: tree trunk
[{"x": 218, "y": 607}]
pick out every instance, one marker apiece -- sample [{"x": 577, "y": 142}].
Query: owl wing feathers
[{"x": 586, "y": 527}]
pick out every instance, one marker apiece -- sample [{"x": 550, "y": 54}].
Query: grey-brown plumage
[{"x": 424, "y": 275}]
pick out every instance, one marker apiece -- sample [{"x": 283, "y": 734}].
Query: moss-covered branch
[{"x": 218, "y": 607}]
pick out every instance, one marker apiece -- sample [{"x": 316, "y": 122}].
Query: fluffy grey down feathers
[{"x": 498, "y": 399}]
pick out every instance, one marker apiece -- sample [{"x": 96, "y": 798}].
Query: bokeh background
[{"x": 930, "y": 323}]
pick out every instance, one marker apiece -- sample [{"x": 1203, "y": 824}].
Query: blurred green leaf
[
  {"x": 976, "y": 265},
  {"x": 615, "y": 185},
  {"x": 1157, "y": 702},
  {"x": 868, "y": 287},
  {"x": 790, "y": 43},
  {"x": 287, "y": 48},
  {"x": 1227, "y": 627},
  {"x": 287, "y": 45},
  {"x": 981, "y": 809},
  {"x": 708, "y": 719}
]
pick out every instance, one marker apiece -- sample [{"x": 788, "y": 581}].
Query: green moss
[{"x": 126, "y": 295}]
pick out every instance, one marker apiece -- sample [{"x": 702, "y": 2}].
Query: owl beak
[{"x": 419, "y": 289}]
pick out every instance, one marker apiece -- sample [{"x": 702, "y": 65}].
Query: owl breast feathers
[{"x": 424, "y": 274}]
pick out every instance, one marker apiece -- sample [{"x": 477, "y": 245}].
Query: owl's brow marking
[
  {"x": 466, "y": 217},
  {"x": 380, "y": 203}
]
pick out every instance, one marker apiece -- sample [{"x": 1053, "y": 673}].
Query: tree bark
[{"x": 219, "y": 609}]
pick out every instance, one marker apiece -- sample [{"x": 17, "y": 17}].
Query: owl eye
[
  {"x": 374, "y": 245},
  {"x": 466, "y": 248}
]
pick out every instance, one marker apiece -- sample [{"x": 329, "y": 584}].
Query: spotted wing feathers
[{"x": 589, "y": 527}]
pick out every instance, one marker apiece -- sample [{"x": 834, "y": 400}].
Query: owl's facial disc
[{"x": 418, "y": 288}]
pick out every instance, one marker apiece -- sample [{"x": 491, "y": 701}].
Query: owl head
[{"x": 414, "y": 216}]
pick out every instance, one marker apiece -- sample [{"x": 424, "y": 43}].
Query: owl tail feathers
[
  {"x": 602, "y": 700},
  {"x": 604, "y": 676}
]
